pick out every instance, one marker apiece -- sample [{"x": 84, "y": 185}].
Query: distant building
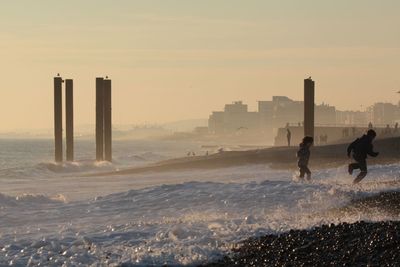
[
  {"x": 352, "y": 118},
  {"x": 271, "y": 114},
  {"x": 384, "y": 113},
  {"x": 282, "y": 111},
  {"x": 201, "y": 130},
  {"x": 234, "y": 118},
  {"x": 325, "y": 114},
  {"x": 279, "y": 111}
]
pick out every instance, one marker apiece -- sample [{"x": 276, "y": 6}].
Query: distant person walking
[
  {"x": 360, "y": 149},
  {"x": 303, "y": 156},
  {"x": 288, "y": 136}
]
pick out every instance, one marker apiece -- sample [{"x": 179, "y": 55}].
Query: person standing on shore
[
  {"x": 288, "y": 136},
  {"x": 360, "y": 149},
  {"x": 303, "y": 156}
]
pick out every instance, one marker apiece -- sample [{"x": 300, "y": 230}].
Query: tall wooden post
[
  {"x": 69, "y": 118},
  {"x": 309, "y": 102},
  {"x": 107, "y": 121},
  {"x": 99, "y": 119},
  {"x": 58, "y": 144}
]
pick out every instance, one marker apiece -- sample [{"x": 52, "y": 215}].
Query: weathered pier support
[
  {"x": 309, "y": 103},
  {"x": 107, "y": 121},
  {"x": 99, "y": 119},
  {"x": 69, "y": 118},
  {"x": 58, "y": 148},
  {"x": 58, "y": 119},
  {"x": 103, "y": 120}
]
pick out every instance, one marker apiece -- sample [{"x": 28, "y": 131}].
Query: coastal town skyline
[
  {"x": 174, "y": 60},
  {"x": 200, "y": 133}
]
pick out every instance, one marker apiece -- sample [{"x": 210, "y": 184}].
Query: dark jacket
[
  {"x": 303, "y": 155},
  {"x": 361, "y": 148}
]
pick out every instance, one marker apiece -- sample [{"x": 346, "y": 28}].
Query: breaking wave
[
  {"x": 29, "y": 200},
  {"x": 183, "y": 223}
]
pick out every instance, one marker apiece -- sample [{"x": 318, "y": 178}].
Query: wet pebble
[{"x": 358, "y": 244}]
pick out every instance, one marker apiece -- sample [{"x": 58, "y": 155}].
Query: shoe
[
  {"x": 350, "y": 169},
  {"x": 360, "y": 177}
]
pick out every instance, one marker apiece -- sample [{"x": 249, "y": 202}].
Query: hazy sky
[{"x": 181, "y": 59}]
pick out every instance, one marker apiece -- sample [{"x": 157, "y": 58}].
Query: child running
[
  {"x": 303, "y": 156},
  {"x": 361, "y": 148}
]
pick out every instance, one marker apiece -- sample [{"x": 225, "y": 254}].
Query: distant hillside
[{"x": 185, "y": 125}]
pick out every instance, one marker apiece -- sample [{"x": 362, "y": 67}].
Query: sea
[{"x": 71, "y": 214}]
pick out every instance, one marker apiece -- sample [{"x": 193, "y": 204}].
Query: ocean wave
[
  {"x": 50, "y": 169},
  {"x": 183, "y": 223},
  {"x": 135, "y": 159},
  {"x": 77, "y": 166},
  {"x": 30, "y": 200}
]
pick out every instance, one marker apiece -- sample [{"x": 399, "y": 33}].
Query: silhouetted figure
[
  {"x": 370, "y": 126},
  {"x": 193, "y": 154},
  {"x": 360, "y": 149},
  {"x": 189, "y": 153},
  {"x": 396, "y": 127},
  {"x": 387, "y": 129},
  {"x": 303, "y": 156},
  {"x": 206, "y": 153},
  {"x": 288, "y": 136}
]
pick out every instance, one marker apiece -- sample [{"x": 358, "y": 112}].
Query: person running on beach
[
  {"x": 360, "y": 149},
  {"x": 303, "y": 156}
]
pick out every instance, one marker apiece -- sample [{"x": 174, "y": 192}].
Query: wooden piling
[
  {"x": 69, "y": 118},
  {"x": 58, "y": 148}
]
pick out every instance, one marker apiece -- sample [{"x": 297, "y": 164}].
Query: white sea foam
[
  {"x": 52, "y": 215},
  {"x": 178, "y": 223}
]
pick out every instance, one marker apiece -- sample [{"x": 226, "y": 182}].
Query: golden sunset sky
[{"x": 181, "y": 59}]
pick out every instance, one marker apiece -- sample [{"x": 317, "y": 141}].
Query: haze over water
[{"x": 172, "y": 60}]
